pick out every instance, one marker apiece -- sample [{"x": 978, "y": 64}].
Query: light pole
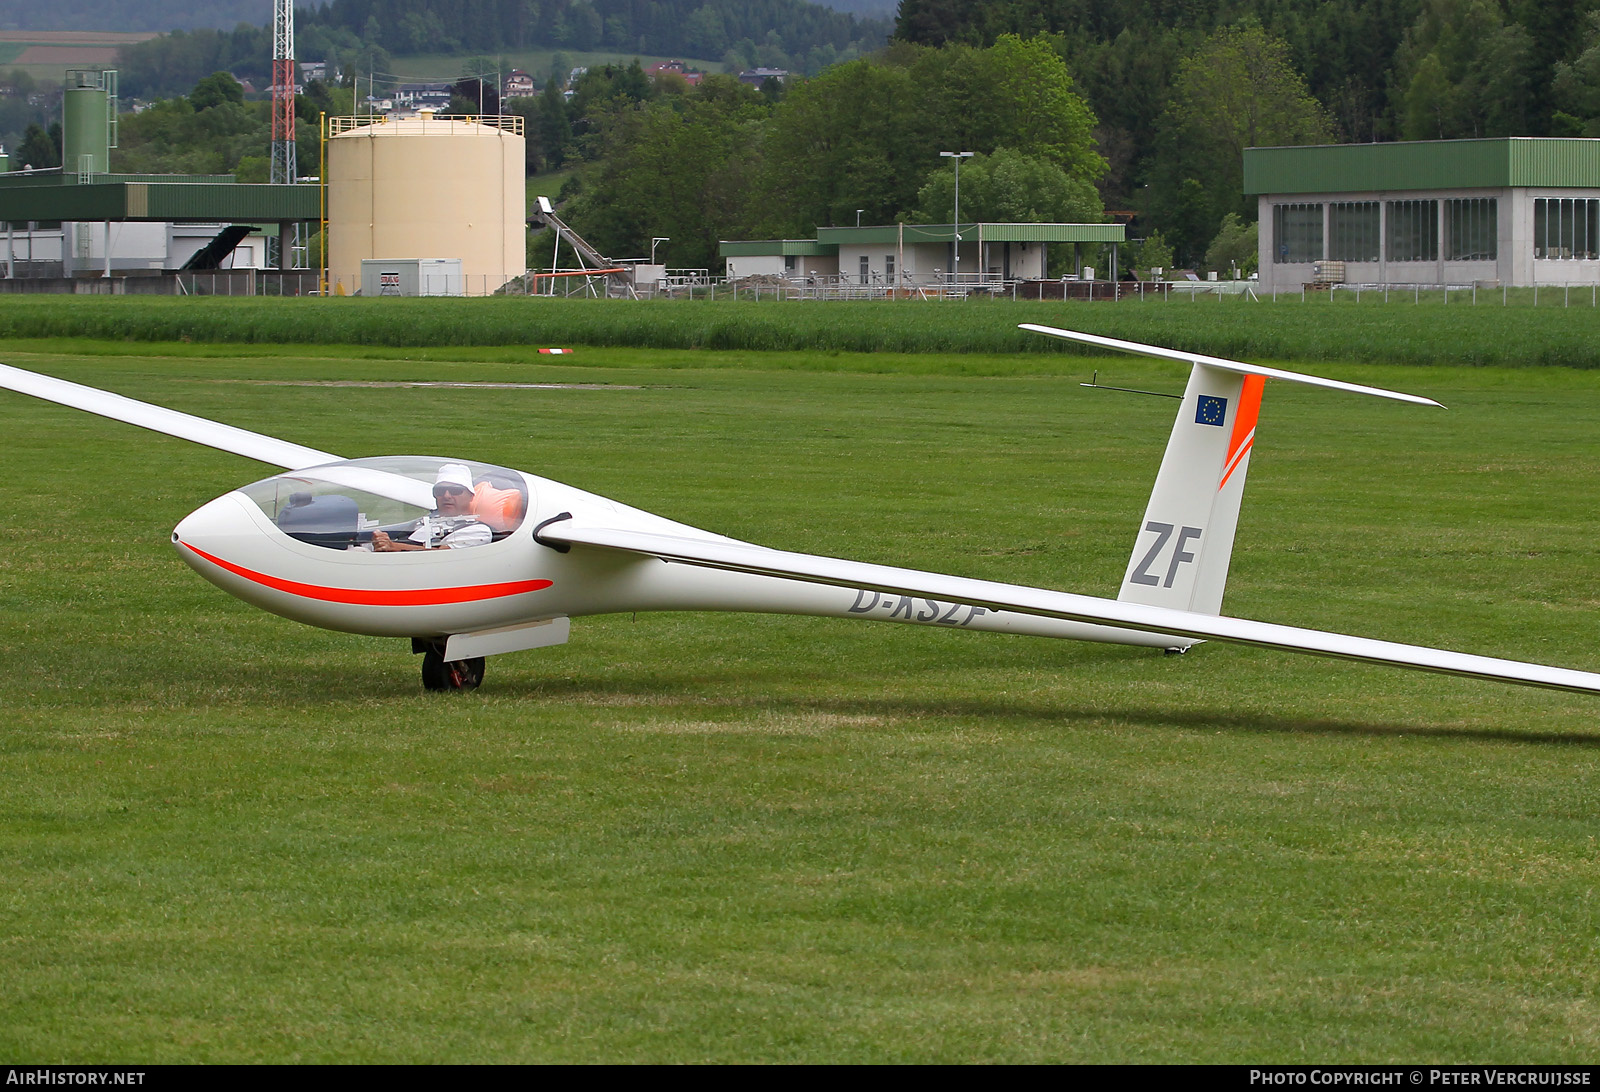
[
  {"x": 653, "y": 241},
  {"x": 955, "y": 228},
  {"x": 858, "y": 216}
]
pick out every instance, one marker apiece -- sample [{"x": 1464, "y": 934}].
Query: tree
[
  {"x": 1462, "y": 71},
  {"x": 678, "y": 169},
  {"x": 1237, "y": 91},
  {"x": 1430, "y": 110},
  {"x": 866, "y": 135},
  {"x": 533, "y": 150},
  {"x": 1236, "y": 247},
  {"x": 214, "y": 90},
  {"x": 37, "y": 149},
  {"x": 1017, "y": 94},
  {"x": 475, "y": 95},
  {"x": 1009, "y": 187},
  {"x": 555, "y": 126},
  {"x": 1576, "y": 87},
  {"x": 1152, "y": 253},
  {"x": 856, "y": 137}
]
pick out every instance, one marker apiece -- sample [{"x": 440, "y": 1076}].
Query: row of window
[
  {"x": 1471, "y": 231},
  {"x": 1563, "y": 228}
]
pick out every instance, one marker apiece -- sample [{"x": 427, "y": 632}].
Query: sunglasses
[{"x": 456, "y": 490}]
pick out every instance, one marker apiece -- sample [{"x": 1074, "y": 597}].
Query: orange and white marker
[{"x": 556, "y": 352}]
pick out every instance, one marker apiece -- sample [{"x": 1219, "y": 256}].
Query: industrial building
[
  {"x": 911, "y": 255},
  {"x": 1515, "y": 211},
  {"x": 81, "y": 221}
]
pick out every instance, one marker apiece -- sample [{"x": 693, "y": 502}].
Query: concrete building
[
  {"x": 796, "y": 259},
  {"x": 1517, "y": 211},
  {"x": 56, "y": 225},
  {"x": 909, "y": 255}
]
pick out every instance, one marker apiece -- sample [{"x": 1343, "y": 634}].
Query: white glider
[{"x": 358, "y": 545}]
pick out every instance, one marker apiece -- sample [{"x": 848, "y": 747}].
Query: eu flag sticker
[{"x": 1211, "y": 411}]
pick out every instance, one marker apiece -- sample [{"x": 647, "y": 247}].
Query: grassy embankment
[{"x": 695, "y": 837}]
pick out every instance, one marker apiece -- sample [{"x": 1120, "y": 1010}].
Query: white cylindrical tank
[{"x": 427, "y": 187}]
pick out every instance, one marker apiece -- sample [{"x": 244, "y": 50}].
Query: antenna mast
[{"x": 283, "y": 158}]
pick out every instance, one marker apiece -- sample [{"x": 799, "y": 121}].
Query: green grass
[
  {"x": 548, "y": 184},
  {"x": 1345, "y": 331},
  {"x": 226, "y": 837}
]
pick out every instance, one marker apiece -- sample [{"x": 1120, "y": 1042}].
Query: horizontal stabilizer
[
  {"x": 252, "y": 445},
  {"x": 1222, "y": 364},
  {"x": 747, "y": 558}
]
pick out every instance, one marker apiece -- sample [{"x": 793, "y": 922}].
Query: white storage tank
[{"x": 451, "y": 186}]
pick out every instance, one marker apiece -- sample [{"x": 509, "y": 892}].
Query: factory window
[
  {"x": 866, "y": 269},
  {"x": 1566, "y": 227},
  {"x": 888, "y": 268},
  {"x": 1472, "y": 231},
  {"x": 1413, "y": 231},
  {"x": 788, "y": 263},
  {"x": 1296, "y": 233},
  {"x": 1353, "y": 231}
]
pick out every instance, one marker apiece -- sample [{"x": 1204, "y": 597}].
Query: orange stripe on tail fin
[{"x": 1244, "y": 425}]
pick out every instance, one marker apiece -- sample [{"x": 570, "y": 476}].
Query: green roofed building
[
  {"x": 912, "y": 255},
  {"x": 1516, "y": 211}
]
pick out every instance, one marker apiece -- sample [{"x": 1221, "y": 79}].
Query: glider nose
[{"x": 214, "y": 529}]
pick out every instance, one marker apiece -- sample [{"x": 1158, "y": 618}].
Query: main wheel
[{"x": 439, "y": 674}]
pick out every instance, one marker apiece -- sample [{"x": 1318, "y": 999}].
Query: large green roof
[
  {"x": 747, "y": 248},
  {"x": 829, "y": 239},
  {"x": 1424, "y": 165},
  {"x": 50, "y": 196},
  {"x": 971, "y": 232}
]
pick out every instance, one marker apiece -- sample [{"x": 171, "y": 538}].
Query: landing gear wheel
[{"x": 437, "y": 674}]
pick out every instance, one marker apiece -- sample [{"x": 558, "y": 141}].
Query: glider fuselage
[{"x": 235, "y": 543}]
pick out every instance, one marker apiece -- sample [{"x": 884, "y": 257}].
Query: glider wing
[
  {"x": 238, "y": 441},
  {"x": 747, "y": 558},
  {"x": 252, "y": 445}
]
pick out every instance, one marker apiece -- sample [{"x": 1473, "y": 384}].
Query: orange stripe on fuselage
[
  {"x": 1244, "y": 424},
  {"x": 418, "y": 597}
]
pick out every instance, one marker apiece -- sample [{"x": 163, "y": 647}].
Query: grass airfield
[{"x": 228, "y": 837}]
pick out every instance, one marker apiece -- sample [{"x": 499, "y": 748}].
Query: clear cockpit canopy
[{"x": 341, "y": 505}]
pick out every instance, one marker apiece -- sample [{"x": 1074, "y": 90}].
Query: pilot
[{"x": 451, "y": 525}]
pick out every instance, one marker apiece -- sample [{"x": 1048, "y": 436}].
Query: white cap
[{"x": 454, "y": 474}]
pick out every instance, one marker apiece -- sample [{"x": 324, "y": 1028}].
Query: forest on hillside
[
  {"x": 165, "y": 15},
  {"x": 1175, "y": 90},
  {"x": 1074, "y": 106}
]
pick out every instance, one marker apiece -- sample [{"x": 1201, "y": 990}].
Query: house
[
  {"x": 435, "y": 96},
  {"x": 912, "y": 255},
  {"x": 759, "y": 76},
  {"x": 518, "y": 85},
  {"x": 689, "y": 76},
  {"x": 1512, "y": 211}
]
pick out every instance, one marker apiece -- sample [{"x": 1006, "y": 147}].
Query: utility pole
[{"x": 956, "y": 227}]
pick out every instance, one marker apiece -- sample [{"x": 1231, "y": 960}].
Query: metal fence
[{"x": 698, "y": 284}]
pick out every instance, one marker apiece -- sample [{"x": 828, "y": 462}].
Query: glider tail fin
[
  {"x": 1185, "y": 542},
  {"x": 1181, "y": 555}
]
